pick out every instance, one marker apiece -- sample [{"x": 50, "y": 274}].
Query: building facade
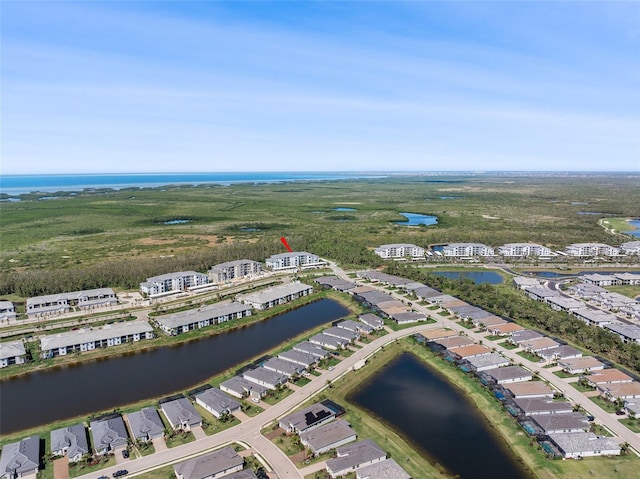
[
  {"x": 524, "y": 249},
  {"x": 179, "y": 281},
  {"x": 234, "y": 270},
  {"x": 467, "y": 249},
  {"x": 388, "y": 251},
  {"x": 294, "y": 260}
]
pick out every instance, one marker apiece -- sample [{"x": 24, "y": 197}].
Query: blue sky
[{"x": 117, "y": 86}]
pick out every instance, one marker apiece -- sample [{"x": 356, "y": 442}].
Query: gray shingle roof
[
  {"x": 218, "y": 401},
  {"x": 73, "y": 437},
  {"x": 181, "y": 411},
  {"x": 115, "y": 330},
  {"x": 324, "y": 436},
  {"x": 353, "y": 455},
  {"x": 205, "y": 313},
  {"x": 209, "y": 464},
  {"x": 12, "y": 349},
  {"x": 20, "y": 457},
  {"x": 387, "y": 469},
  {"x": 306, "y": 418},
  {"x": 145, "y": 423},
  {"x": 108, "y": 433}
]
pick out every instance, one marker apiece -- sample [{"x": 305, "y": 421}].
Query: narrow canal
[
  {"x": 43, "y": 397},
  {"x": 437, "y": 418}
]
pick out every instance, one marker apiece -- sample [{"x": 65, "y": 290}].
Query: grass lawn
[
  {"x": 302, "y": 381},
  {"x": 608, "y": 406},
  {"x": 250, "y": 408},
  {"x": 582, "y": 387},
  {"x": 275, "y": 396},
  {"x": 599, "y": 430},
  {"x": 160, "y": 473},
  {"x": 82, "y": 467},
  {"x": 493, "y": 338},
  {"x": 315, "y": 373},
  {"x": 145, "y": 449},
  {"x": 467, "y": 324},
  {"x": 345, "y": 353},
  {"x": 180, "y": 438},
  {"x": 508, "y": 345},
  {"x": 631, "y": 290},
  {"x": 631, "y": 423},
  {"x": 531, "y": 357},
  {"x": 564, "y": 374},
  {"x": 289, "y": 444},
  {"x": 212, "y": 424},
  {"x": 443, "y": 313}
]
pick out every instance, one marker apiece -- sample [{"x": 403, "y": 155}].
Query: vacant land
[{"x": 118, "y": 238}]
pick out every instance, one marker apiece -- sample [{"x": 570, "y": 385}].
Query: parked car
[
  {"x": 620, "y": 413},
  {"x": 255, "y": 400},
  {"x": 120, "y": 473},
  {"x": 125, "y": 453},
  {"x": 331, "y": 368}
]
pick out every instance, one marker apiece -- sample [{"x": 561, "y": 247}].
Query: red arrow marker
[{"x": 286, "y": 245}]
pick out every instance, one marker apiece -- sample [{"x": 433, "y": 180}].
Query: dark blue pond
[
  {"x": 478, "y": 277},
  {"x": 438, "y": 419},
  {"x": 636, "y": 225},
  {"x": 415, "y": 219},
  {"x": 45, "y": 396},
  {"x": 342, "y": 208}
]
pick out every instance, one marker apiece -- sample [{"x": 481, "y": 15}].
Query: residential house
[
  {"x": 220, "y": 463},
  {"x": 532, "y": 406},
  {"x": 217, "y": 402},
  {"x": 20, "y": 459},
  {"x": 336, "y": 283},
  {"x": 70, "y": 441},
  {"x": 539, "y": 344},
  {"x": 387, "y": 469},
  {"x": 608, "y": 376},
  {"x": 329, "y": 436},
  {"x": 600, "y": 279},
  {"x": 108, "y": 434},
  {"x": 304, "y": 360},
  {"x": 308, "y": 418},
  {"x": 265, "y": 377},
  {"x": 522, "y": 282},
  {"x": 485, "y": 362},
  {"x": 560, "y": 352},
  {"x": 558, "y": 423},
  {"x": 329, "y": 342},
  {"x": 453, "y": 341},
  {"x": 355, "y": 326},
  {"x": 521, "y": 336},
  {"x": 530, "y": 389},
  {"x": 372, "y": 321},
  {"x": 616, "y": 391},
  {"x": 181, "y": 414},
  {"x": 506, "y": 329},
  {"x": 240, "y": 387},
  {"x": 510, "y": 374},
  {"x": 354, "y": 456},
  {"x": 584, "y": 444},
  {"x": 281, "y": 366},
  {"x": 311, "y": 348},
  {"x": 471, "y": 350},
  {"x": 342, "y": 333},
  {"x": 145, "y": 424},
  {"x": 580, "y": 365}
]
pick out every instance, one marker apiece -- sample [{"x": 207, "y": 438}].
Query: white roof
[
  {"x": 274, "y": 293},
  {"x": 12, "y": 349},
  {"x": 88, "y": 335}
]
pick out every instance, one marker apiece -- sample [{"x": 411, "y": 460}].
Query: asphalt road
[{"x": 248, "y": 432}]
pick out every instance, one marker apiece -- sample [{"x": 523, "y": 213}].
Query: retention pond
[
  {"x": 438, "y": 419},
  {"x": 42, "y": 397}
]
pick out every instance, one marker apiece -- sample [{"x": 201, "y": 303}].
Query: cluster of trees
[
  {"x": 508, "y": 302},
  {"x": 127, "y": 274}
]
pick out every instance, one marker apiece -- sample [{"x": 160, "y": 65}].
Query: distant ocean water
[{"x": 22, "y": 184}]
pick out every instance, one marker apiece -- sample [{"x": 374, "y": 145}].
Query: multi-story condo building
[
  {"x": 7, "y": 311},
  {"x": 590, "y": 249},
  {"x": 399, "y": 251},
  {"x": 62, "y": 303},
  {"x": 178, "y": 281},
  {"x": 296, "y": 259},
  {"x": 524, "y": 249},
  {"x": 467, "y": 249},
  {"x": 89, "y": 339},
  {"x": 630, "y": 247},
  {"x": 233, "y": 270}
]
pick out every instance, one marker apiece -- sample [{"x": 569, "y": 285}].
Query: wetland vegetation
[{"x": 118, "y": 238}]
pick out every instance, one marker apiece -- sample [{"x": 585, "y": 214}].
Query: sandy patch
[
  {"x": 487, "y": 217},
  {"x": 346, "y": 203},
  {"x": 156, "y": 241}
]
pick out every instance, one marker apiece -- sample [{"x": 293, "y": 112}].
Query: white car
[
  {"x": 330, "y": 368},
  {"x": 255, "y": 400}
]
